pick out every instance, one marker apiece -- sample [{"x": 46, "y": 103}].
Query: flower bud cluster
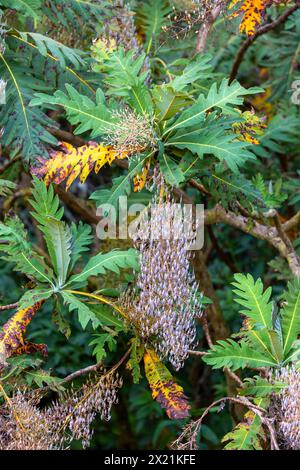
[
  {"x": 167, "y": 302},
  {"x": 24, "y": 425},
  {"x": 285, "y": 407}
]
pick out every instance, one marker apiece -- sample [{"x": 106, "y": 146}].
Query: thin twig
[
  {"x": 196, "y": 353},
  {"x": 206, "y": 332},
  {"x": 8, "y": 307},
  {"x": 281, "y": 231},
  {"x": 234, "y": 377},
  {"x": 80, "y": 372},
  {"x": 191, "y": 431}
]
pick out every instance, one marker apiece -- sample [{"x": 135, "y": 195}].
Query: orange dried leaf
[
  {"x": 164, "y": 390},
  {"x": 71, "y": 162},
  {"x": 253, "y": 12}
]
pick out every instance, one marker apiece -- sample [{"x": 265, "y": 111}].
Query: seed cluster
[
  {"x": 76, "y": 410},
  {"x": 26, "y": 426},
  {"x": 134, "y": 134},
  {"x": 121, "y": 27},
  {"x": 2, "y": 34},
  {"x": 188, "y": 14},
  {"x": 285, "y": 408},
  {"x": 167, "y": 302}
]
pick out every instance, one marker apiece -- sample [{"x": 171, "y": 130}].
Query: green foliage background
[{"x": 257, "y": 177}]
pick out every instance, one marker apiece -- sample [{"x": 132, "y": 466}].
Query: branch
[
  {"x": 199, "y": 186},
  {"x": 196, "y": 353},
  {"x": 188, "y": 438},
  {"x": 206, "y": 27},
  {"x": 263, "y": 30},
  {"x": 206, "y": 331},
  {"x": 80, "y": 372},
  {"x": 280, "y": 229},
  {"x": 258, "y": 230},
  {"x": 66, "y": 136},
  {"x": 8, "y": 307},
  {"x": 292, "y": 222}
]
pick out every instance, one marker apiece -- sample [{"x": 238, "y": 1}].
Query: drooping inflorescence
[
  {"x": 24, "y": 425},
  {"x": 76, "y": 410},
  {"x": 121, "y": 27},
  {"x": 167, "y": 302},
  {"x": 285, "y": 408}
]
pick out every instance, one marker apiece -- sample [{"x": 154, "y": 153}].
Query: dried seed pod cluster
[
  {"x": 121, "y": 29},
  {"x": 2, "y": 91},
  {"x": 167, "y": 302},
  {"x": 26, "y": 426},
  {"x": 23, "y": 426},
  {"x": 76, "y": 410},
  {"x": 285, "y": 408},
  {"x": 134, "y": 134},
  {"x": 188, "y": 14}
]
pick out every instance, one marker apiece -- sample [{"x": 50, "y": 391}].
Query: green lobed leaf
[
  {"x": 85, "y": 314},
  {"x": 112, "y": 261},
  {"x": 260, "y": 387},
  {"x": 251, "y": 295},
  {"x": 290, "y": 315},
  {"x": 224, "y": 98},
  {"x": 100, "y": 342},
  {"x": 81, "y": 110},
  {"x": 236, "y": 355}
]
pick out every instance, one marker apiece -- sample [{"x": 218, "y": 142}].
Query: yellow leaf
[
  {"x": 164, "y": 390},
  {"x": 251, "y": 128},
  {"x": 253, "y": 12},
  {"x": 262, "y": 105},
  {"x": 139, "y": 180},
  {"x": 71, "y": 162}
]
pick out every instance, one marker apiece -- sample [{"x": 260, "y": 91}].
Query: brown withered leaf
[
  {"x": 164, "y": 390},
  {"x": 71, "y": 162},
  {"x": 12, "y": 340}
]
